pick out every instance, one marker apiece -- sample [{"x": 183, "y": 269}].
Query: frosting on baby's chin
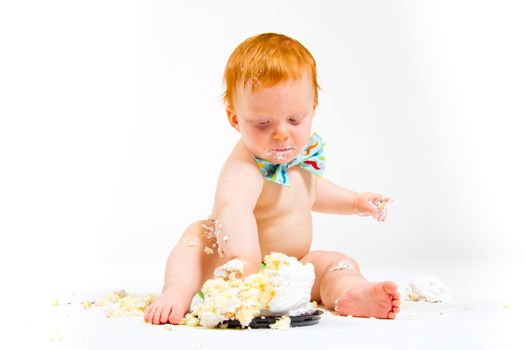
[{"x": 278, "y": 157}]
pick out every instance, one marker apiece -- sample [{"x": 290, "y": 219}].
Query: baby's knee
[
  {"x": 194, "y": 230},
  {"x": 205, "y": 235},
  {"x": 340, "y": 261},
  {"x": 192, "y": 236}
]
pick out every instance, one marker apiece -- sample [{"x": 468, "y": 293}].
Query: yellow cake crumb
[
  {"x": 122, "y": 304},
  {"x": 192, "y": 322},
  {"x": 56, "y": 336},
  {"x": 282, "y": 323},
  {"x": 208, "y": 250}
]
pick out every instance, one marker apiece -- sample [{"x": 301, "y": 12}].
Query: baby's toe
[
  {"x": 165, "y": 313},
  {"x": 148, "y": 317},
  {"x": 390, "y": 288},
  {"x": 395, "y": 309},
  {"x": 175, "y": 316},
  {"x": 156, "y": 315}
]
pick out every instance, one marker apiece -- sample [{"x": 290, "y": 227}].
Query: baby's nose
[{"x": 280, "y": 132}]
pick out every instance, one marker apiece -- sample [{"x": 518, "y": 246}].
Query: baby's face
[{"x": 275, "y": 122}]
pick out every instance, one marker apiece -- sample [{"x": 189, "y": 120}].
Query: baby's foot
[
  {"x": 168, "y": 308},
  {"x": 380, "y": 299}
]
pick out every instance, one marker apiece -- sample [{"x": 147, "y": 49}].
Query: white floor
[{"x": 485, "y": 314}]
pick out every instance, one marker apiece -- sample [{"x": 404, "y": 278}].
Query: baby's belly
[{"x": 291, "y": 235}]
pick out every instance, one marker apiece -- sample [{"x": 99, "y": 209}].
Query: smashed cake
[{"x": 281, "y": 289}]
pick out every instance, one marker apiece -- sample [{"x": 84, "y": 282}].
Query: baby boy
[{"x": 268, "y": 187}]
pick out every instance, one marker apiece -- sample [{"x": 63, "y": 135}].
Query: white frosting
[
  {"x": 235, "y": 266},
  {"x": 428, "y": 288},
  {"x": 343, "y": 265},
  {"x": 211, "y": 319},
  {"x": 293, "y": 293}
]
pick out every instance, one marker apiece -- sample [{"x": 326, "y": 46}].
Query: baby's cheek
[{"x": 256, "y": 144}]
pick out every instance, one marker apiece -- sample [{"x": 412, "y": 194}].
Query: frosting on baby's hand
[{"x": 379, "y": 208}]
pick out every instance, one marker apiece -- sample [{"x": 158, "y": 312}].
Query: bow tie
[{"x": 311, "y": 159}]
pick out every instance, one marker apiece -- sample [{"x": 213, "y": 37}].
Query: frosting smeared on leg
[{"x": 343, "y": 265}]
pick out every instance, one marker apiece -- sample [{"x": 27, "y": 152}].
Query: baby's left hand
[{"x": 372, "y": 204}]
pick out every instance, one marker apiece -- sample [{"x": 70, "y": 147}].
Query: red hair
[{"x": 266, "y": 60}]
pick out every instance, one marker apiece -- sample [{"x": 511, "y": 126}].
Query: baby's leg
[
  {"x": 188, "y": 267},
  {"x": 339, "y": 285}
]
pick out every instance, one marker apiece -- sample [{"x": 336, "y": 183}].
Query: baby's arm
[
  {"x": 238, "y": 189},
  {"x": 332, "y": 199}
]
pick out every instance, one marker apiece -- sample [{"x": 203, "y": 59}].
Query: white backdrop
[{"x": 112, "y": 133}]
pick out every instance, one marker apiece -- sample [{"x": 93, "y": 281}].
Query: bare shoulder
[{"x": 240, "y": 178}]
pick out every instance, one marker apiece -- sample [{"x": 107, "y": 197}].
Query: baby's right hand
[{"x": 167, "y": 308}]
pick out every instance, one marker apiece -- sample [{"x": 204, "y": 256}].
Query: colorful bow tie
[{"x": 311, "y": 159}]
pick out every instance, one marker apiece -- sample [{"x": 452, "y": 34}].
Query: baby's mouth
[
  {"x": 280, "y": 153},
  {"x": 282, "y": 150}
]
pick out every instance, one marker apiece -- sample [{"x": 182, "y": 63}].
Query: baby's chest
[{"x": 277, "y": 199}]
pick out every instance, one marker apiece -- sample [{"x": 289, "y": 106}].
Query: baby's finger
[
  {"x": 383, "y": 215},
  {"x": 387, "y": 200},
  {"x": 374, "y": 212}
]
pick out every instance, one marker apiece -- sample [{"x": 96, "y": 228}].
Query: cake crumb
[
  {"x": 428, "y": 289},
  {"x": 55, "y": 302},
  {"x": 121, "y": 304},
  {"x": 56, "y": 336},
  {"x": 282, "y": 323},
  {"x": 193, "y": 322},
  {"x": 191, "y": 242},
  {"x": 208, "y": 250}
]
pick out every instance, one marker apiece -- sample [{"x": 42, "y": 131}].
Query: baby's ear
[{"x": 232, "y": 118}]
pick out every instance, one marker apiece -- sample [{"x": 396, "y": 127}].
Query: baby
[{"x": 268, "y": 187}]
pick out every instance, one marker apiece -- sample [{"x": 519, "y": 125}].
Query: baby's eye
[
  {"x": 294, "y": 120},
  {"x": 263, "y": 124}
]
